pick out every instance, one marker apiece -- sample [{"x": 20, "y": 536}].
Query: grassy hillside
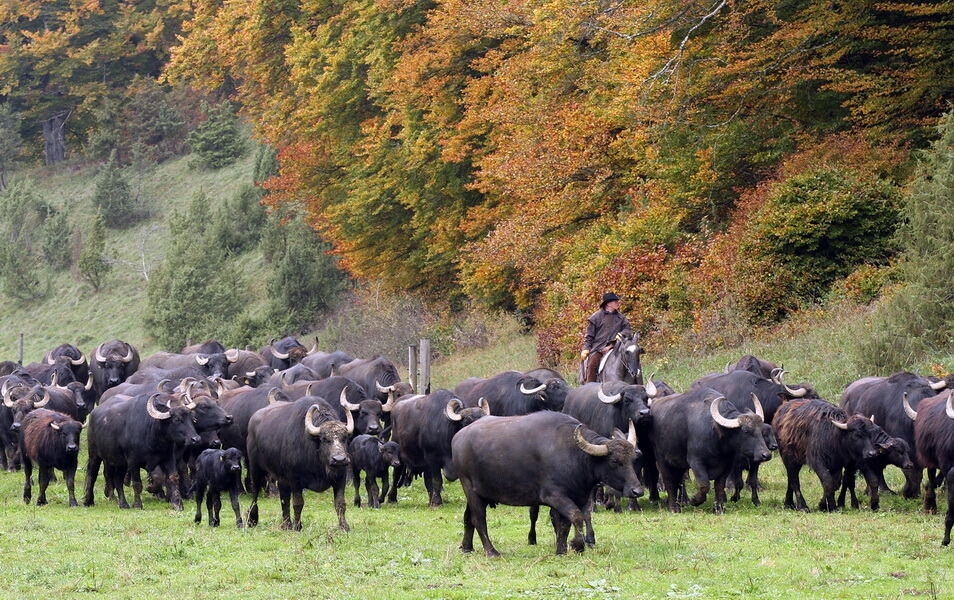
[{"x": 72, "y": 311}]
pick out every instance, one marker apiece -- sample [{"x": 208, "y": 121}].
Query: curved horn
[
  {"x": 631, "y": 434},
  {"x": 314, "y": 347},
  {"x": 98, "y": 354},
  {"x": 484, "y": 406},
  {"x": 774, "y": 374},
  {"x": 871, "y": 418},
  {"x": 949, "y": 405},
  {"x": 651, "y": 390},
  {"x": 585, "y": 446},
  {"x": 278, "y": 354},
  {"x": 717, "y": 416},
  {"x": 540, "y": 388},
  {"x": 49, "y": 359},
  {"x": 790, "y": 391},
  {"x": 129, "y": 354},
  {"x": 842, "y": 426},
  {"x": 343, "y": 401},
  {"x": 309, "y": 388},
  {"x": 5, "y": 392},
  {"x": 938, "y": 385},
  {"x": 189, "y": 403},
  {"x": 607, "y": 399},
  {"x": 202, "y": 359},
  {"x": 451, "y": 410},
  {"x": 310, "y": 426},
  {"x": 382, "y": 389},
  {"x": 154, "y": 412},
  {"x": 389, "y": 405},
  {"x": 55, "y": 425},
  {"x": 758, "y": 407},
  {"x": 53, "y": 382},
  {"x": 250, "y": 374},
  {"x": 349, "y": 422},
  {"x": 78, "y": 361},
  {"x": 89, "y": 382},
  {"x": 728, "y": 367},
  {"x": 44, "y": 401},
  {"x": 273, "y": 395},
  {"x": 232, "y": 355},
  {"x": 912, "y": 414},
  {"x": 334, "y": 371}
]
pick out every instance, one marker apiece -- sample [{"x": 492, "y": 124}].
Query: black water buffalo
[
  {"x": 50, "y": 440},
  {"x": 293, "y": 374},
  {"x": 79, "y": 364},
  {"x": 209, "y": 365},
  {"x": 882, "y": 398},
  {"x": 557, "y": 387},
  {"x": 248, "y": 368},
  {"x": 302, "y": 445},
  {"x": 46, "y": 373},
  {"x": 508, "y": 394},
  {"x": 604, "y": 407},
  {"x": 22, "y": 399},
  {"x": 374, "y": 457},
  {"x": 344, "y": 394},
  {"x": 702, "y": 431},
  {"x": 113, "y": 363},
  {"x": 753, "y": 364},
  {"x": 892, "y": 451},
  {"x": 242, "y": 403},
  {"x": 217, "y": 471},
  {"x": 827, "y": 439},
  {"x": 175, "y": 375},
  {"x": 622, "y": 363},
  {"x": 206, "y": 347},
  {"x": 129, "y": 434},
  {"x": 326, "y": 364},
  {"x": 284, "y": 353},
  {"x": 543, "y": 458},
  {"x": 424, "y": 426},
  {"x": 934, "y": 443},
  {"x": 378, "y": 376}
]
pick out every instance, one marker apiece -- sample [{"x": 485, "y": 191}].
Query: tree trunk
[{"x": 54, "y": 144}]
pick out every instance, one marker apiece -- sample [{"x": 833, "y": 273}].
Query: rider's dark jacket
[{"x": 602, "y": 327}]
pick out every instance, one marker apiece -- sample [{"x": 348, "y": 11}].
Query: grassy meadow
[{"x": 411, "y": 551}]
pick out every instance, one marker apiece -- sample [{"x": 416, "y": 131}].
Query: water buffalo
[
  {"x": 209, "y": 365},
  {"x": 129, "y": 434},
  {"x": 79, "y": 364},
  {"x": 292, "y": 374},
  {"x": 378, "y": 376},
  {"x": 543, "y": 458},
  {"x": 113, "y": 363},
  {"x": 753, "y": 364},
  {"x": 344, "y": 394},
  {"x": 892, "y": 451},
  {"x": 934, "y": 444},
  {"x": 883, "y": 398},
  {"x": 217, "y": 471},
  {"x": 60, "y": 369},
  {"x": 702, "y": 431},
  {"x": 557, "y": 387},
  {"x": 284, "y": 353},
  {"x": 207, "y": 347},
  {"x": 374, "y": 457},
  {"x": 302, "y": 445},
  {"x": 824, "y": 437},
  {"x": 326, "y": 364},
  {"x": 508, "y": 394},
  {"x": 51, "y": 441},
  {"x": 242, "y": 403},
  {"x": 424, "y": 426},
  {"x": 248, "y": 368}
]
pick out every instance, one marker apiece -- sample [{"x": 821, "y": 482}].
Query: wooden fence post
[
  {"x": 425, "y": 382},
  {"x": 21, "y": 349},
  {"x": 412, "y": 374}
]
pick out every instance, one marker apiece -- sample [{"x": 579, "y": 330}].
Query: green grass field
[{"x": 411, "y": 551}]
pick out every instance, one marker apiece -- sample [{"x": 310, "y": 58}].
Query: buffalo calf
[
  {"x": 51, "y": 440},
  {"x": 217, "y": 471},
  {"x": 374, "y": 457}
]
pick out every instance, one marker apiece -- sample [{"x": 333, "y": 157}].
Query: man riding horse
[{"x": 606, "y": 329}]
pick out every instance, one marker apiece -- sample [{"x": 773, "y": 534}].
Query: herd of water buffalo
[{"x": 304, "y": 419}]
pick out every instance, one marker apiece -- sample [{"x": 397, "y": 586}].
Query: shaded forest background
[{"x": 721, "y": 165}]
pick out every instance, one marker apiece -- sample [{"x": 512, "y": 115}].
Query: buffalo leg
[
  {"x": 702, "y": 485},
  {"x": 356, "y": 481},
  {"x": 284, "y": 494},
  {"x": 92, "y": 471},
  {"x": 830, "y": 480},
  {"x": 590, "y": 537},
  {"x": 371, "y": 485},
  {"x": 532, "y": 536},
  {"x": 392, "y": 492},
  {"x": 949, "y": 518},
  {"x": 215, "y": 498},
  {"x": 912, "y": 482},
  {"x": 172, "y": 485},
  {"x": 737, "y": 480},
  {"x": 872, "y": 480},
  {"x": 793, "y": 493},
  {"x": 27, "y": 479},
  {"x": 434, "y": 482},
  {"x": 384, "y": 487},
  {"x": 135, "y": 479},
  {"x": 671, "y": 480},
  {"x": 45, "y": 475},
  {"x": 234, "y": 497},
  {"x": 478, "y": 514},
  {"x": 561, "y": 530},
  {"x": 467, "y": 543},
  {"x": 930, "y": 494},
  {"x": 257, "y": 480},
  {"x": 70, "y": 476},
  {"x": 753, "y": 483},
  {"x": 117, "y": 474},
  {"x": 341, "y": 504},
  {"x": 298, "y": 503},
  {"x": 198, "y": 494},
  {"x": 719, "y": 506},
  {"x": 572, "y": 513}
]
